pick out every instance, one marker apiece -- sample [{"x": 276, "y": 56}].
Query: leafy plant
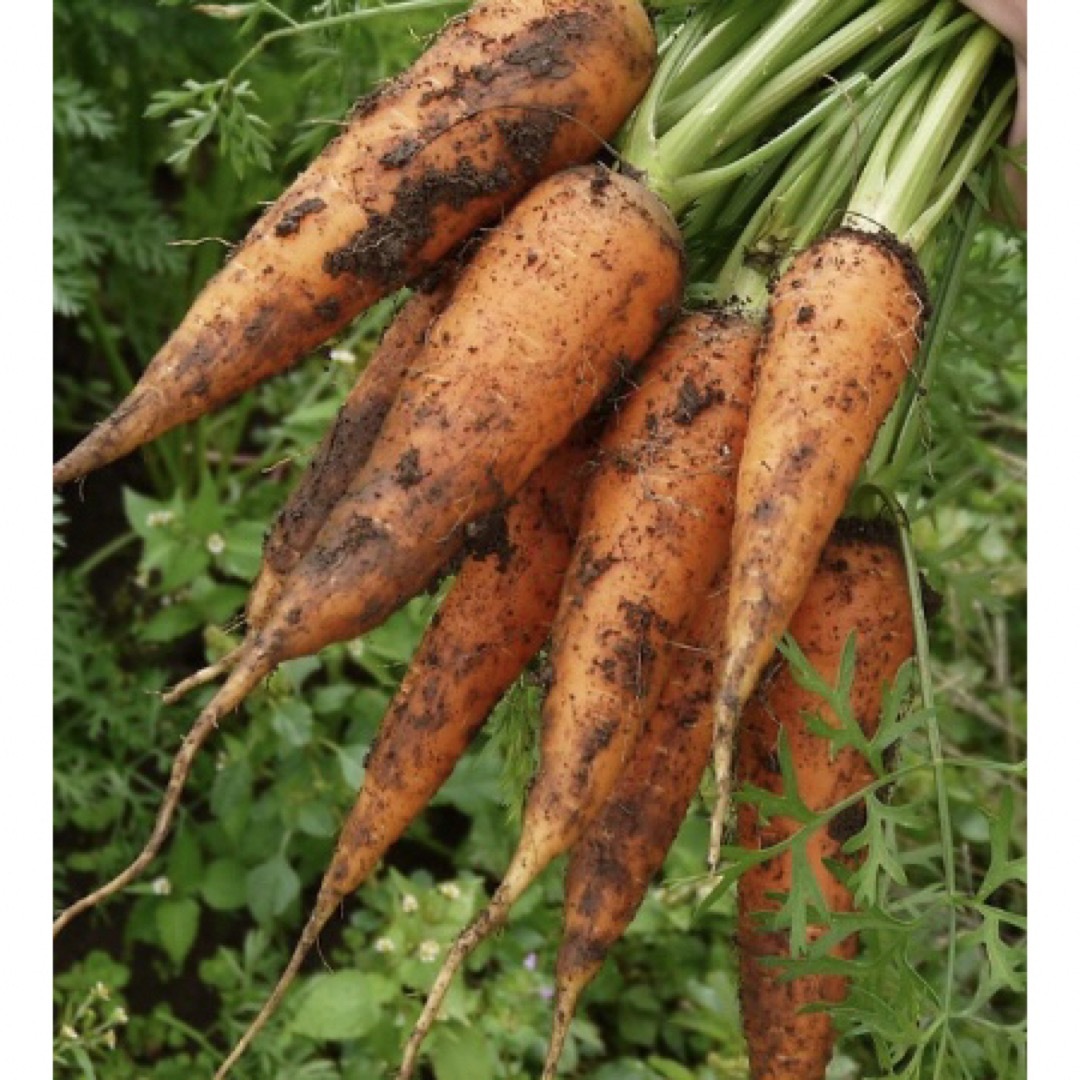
[{"x": 156, "y": 586}]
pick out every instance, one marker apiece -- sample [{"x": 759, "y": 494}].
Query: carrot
[
  {"x": 346, "y": 446},
  {"x": 844, "y": 323},
  {"x": 492, "y": 623},
  {"x": 646, "y": 552},
  {"x": 570, "y": 291},
  {"x": 341, "y": 454},
  {"x": 508, "y": 94},
  {"x": 859, "y": 588},
  {"x": 625, "y": 846}
]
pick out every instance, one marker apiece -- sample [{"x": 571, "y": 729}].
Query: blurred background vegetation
[{"x": 152, "y": 560}]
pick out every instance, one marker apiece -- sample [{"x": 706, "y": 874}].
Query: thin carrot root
[
  {"x": 325, "y": 906},
  {"x": 202, "y": 676},
  {"x": 491, "y": 919},
  {"x": 566, "y": 999},
  {"x": 725, "y": 720},
  {"x": 247, "y": 672}
]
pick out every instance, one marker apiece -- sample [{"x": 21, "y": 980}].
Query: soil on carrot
[
  {"x": 407, "y": 472},
  {"x": 489, "y": 536},
  {"x": 291, "y": 219},
  {"x": 385, "y": 249},
  {"x": 693, "y": 400},
  {"x": 916, "y": 279}
]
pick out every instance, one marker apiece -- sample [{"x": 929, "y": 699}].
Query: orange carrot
[
  {"x": 347, "y": 445},
  {"x": 492, "y": 623},
  {"x": 625, "y": 845},
  {"x": 508, "y": 94},
  {"x": 570, "y": 291},
  {"x": 343, "y": 451},
  {"x": 843, "y": 326},
  {"x": 859, "y": 587},
  {"x": 646, "y": 553}
]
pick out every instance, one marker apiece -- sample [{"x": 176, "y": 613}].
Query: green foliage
[
  {"x": 155, "y": 587},
  {"x": 221, "y": 106}
]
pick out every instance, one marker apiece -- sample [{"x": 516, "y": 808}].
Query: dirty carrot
[
  {"x": 859, "y": 588},
  {"x": 625, "y": 845},
  {"x": 492, "y": 622},
  {"x": 646, "y": 553},
  {"x": 566, "y": 295},
  {"x": 340, "y": 455},
  {"x": 844, "y": 324},
  {"x": 508, "y": 94}
]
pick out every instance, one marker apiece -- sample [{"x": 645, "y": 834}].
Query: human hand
[{"x": 1009, "y": 18}]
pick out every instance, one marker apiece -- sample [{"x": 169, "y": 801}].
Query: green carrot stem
[
  {"x": 854, "y": 36},
  {"x": 710, "y": 48},
  {"x": 800, "y": 45},
  {"x": 963, "y": 163},
  {"x": 696, "y": 185},
  {"x": 720, "y": 42},
  {"x": 897, "y": 192}
]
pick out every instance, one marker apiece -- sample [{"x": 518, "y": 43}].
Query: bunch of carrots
[{"x": 641, "y": 415}]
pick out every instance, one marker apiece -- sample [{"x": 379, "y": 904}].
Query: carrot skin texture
[
  {"x": 509, "y": 93},
  {"x": 346, "y": 446},
  {"x": 843, "y": 327},
  {"x": 492, "y": 622},
  {"x": 569, "y": 292},
  {"x": 624, "y": 847},
  {"x": 860, "y": 586},
  {"x": 646, "y": 553}
]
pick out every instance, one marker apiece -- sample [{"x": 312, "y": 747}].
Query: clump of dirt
[
  {"x": 692, "y": 400},
  {"x": 386, "y": 250},
  {"x": 290, "y": 220},
  {"x": 407, "y": 471}
]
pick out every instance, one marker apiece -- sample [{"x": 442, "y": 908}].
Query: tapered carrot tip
[
  {"x": 486, "y": 923},
  {"x": 725, "y": 715},
  {"x": 125, "y": 430},
  {"x": 252, "y": 667},
  {"x": 566, "y": 999},
  {"x": 324, "y": 907}
]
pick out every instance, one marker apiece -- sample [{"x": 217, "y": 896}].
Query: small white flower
[
  {"x": 102, "y": 991},
  {"x": 119, "y": 1016},
  {"x": 529, "y": 963},
  {"x": 450, "y": 890},
  {"x": 343, "y": 356},
  {"x": 69, "y": 1033},
  {"x": 161, "y": 886},
  {"x": 384, "y": 945},
  {"x": 429, "y": 951},
  {"x": 215, "y": 543},
  {"x": 409, "y": 903},
  {"x": 157, "y": 518},
  {"x": 110, "y": 1039}
]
